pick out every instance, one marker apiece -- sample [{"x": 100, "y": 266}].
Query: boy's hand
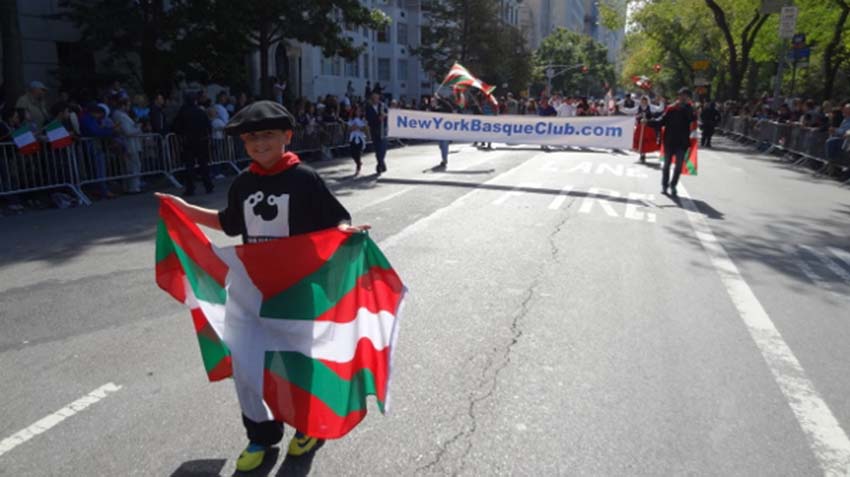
[
  {"x": 178, "y": 201},
  {"x": 353, "y": 229}
]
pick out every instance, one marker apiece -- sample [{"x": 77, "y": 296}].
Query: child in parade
[{"x": 276, "y": 196}]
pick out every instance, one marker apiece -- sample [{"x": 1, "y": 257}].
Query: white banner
[{"x": 608, "y": 132}]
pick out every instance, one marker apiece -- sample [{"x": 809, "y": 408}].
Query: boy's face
[{"x": 265, "y": 147}]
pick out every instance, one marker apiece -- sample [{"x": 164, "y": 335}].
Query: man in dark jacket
[
  {"x": 710, "y": 118},
  {"x": 157, "y": 115},
  {"x": 376, "y": 115},
  {"x": 193, "y": 127},
  {"x": 678, "y": 120}
]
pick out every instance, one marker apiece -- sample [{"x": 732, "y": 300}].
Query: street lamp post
[{"x": 553, "y": 71}]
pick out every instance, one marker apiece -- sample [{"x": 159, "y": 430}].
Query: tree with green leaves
[
  {"x": 13, "y": 57},
  {"x": 134, "y": 36},
  {"x": 588, "y": 69},
  {"x": 262, "y": 24},
  {"x": 211, "y": 39},
  {"x": 472, "y": 33}
]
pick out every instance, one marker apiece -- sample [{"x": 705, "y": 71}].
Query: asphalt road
[{"x": 564, "y": 318}]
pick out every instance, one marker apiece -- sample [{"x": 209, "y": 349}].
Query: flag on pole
[
  {"x": 460, "y": 80},
  {"x": 642, "y": 82},
  {"x": 25, "y": 140},
  {"x": 322, "y": 308},
  {"x": 57, "y": 135}
]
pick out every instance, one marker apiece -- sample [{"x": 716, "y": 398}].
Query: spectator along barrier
[
  {"x": 92, "y": 162},
  {"x": 803, "y": 145}
]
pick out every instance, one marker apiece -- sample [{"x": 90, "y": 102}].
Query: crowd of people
[
  {"x": 828, "y": 117},
  {"x": 121, "y": 118}
]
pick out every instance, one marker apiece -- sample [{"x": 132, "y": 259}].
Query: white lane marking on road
[
  {"x": 46, "y": 423},
  {"x": 827, "y": 439},
  {"x": 841, "y": 254},
  {"x": 422, "y": 223},
  {"x": 386, "y": 198},
  {"x": 594, "y": 195},
  {"x": 557, "y": 201},
  {"x": 517, "y": 191},
  {"x": 435, "y": 177},
  {"x": 632, "y": 211},
  {"x": 812, "y": 275},
  {"x": 832, "y": 266}
]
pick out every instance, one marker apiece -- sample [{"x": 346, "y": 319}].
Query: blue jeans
[
  {"x": 444, "y": 150},
  {"x": 380, "y": 151},
  {"x": 833, "y": 147}
]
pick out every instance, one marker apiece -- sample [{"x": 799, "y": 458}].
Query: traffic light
[{"x": 584, "y": 69}]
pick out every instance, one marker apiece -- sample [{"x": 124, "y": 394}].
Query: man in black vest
[
  {"x": 677, "y": 120},
  {"x": 376, "y": 114}
]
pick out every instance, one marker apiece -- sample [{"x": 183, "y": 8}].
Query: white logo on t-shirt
[{"x": 266, "y": 217}]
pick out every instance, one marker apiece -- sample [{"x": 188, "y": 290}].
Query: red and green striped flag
[
  {"x": 25, "y": 140},
  {"x": 57, "y": 135},
  {"x": 460, "y": 80},
  {"x": 325, "y": 307},
  {"x": 690, "y": 168}
]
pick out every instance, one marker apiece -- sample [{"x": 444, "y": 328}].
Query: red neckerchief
[{"x": 287, "y": 161}]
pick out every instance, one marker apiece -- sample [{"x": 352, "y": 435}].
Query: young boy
[{"x": 276, "y": 196}]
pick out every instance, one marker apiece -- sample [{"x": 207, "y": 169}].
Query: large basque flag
[{"x": 326, "y": 303}]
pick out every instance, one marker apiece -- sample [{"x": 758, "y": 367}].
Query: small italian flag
[
  {"x": 25, "y": 140},
  {"x": 57, "y": 135},
  {"x": 307, "y": 322}
]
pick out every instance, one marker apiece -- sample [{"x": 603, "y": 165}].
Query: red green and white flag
[
  {"x": 460, "y": 80},
  {"x": 322, "y": 308},
  {"x": 25, "y": 140},
  {"x": 57, "y": 135},
  {"x": 691, "y": 163}
]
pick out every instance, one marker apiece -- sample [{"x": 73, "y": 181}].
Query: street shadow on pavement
[
  {"x": 775, "y": 245},
  {"x": 499, "y": 187},
  {"x": 200, "y": 468},
  {"x": 298, "y": 466}
]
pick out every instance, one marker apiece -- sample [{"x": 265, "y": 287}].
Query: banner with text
[{"x": 608, "y": 132}]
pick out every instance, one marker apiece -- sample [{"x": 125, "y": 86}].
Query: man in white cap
[{"x": 33, "y": 101}]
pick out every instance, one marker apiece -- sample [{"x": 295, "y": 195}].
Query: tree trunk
[
  {"x": 13, "y": 58},
  {"x": 264, "y": 44},
  {"x": 152, "y": 73},
  {"x": 737, "y": 66},
  {"x": 831, "y": 57}
]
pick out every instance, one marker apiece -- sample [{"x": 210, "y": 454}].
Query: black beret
[{"x": 260, "y": 116}]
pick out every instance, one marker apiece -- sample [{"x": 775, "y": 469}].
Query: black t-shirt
[{"x": 266, "y": 207}]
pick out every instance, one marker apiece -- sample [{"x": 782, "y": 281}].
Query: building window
[
  {"x": 337, "y": 66},
  {"x": 384, "y": 35},
  {"x": 352, "y": 68},
  {"x": 383, "y": 69},
  {"x": 400, "y": 3},
  {"x": 366, "y": 66},
  {"x": 402, "y": 70},
  {"x": 327, "y": 65},
  {"x": 401, "y": 34}
]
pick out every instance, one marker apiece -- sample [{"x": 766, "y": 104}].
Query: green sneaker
[
  {"x": 302, "y": 444},
  {"x": 251, "y": 458}
]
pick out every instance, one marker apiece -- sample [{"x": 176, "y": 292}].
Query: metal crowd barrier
[
  {"x": 44, "y": 170},
  {"x": 93, "y": 161},
  {"x": 803, "y": 144}
]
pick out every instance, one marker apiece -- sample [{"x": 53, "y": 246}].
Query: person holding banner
[
  {"x": 376, "y": 115},
  {"x": 644, "y": 139},
  {"x": 442, "y": 105},
  {"x": 678, "y": 121}
]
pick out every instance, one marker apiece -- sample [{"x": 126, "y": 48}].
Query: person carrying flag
[
  {"x": 276, "y": 196},
  {"x": 678, "y": 120}
]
